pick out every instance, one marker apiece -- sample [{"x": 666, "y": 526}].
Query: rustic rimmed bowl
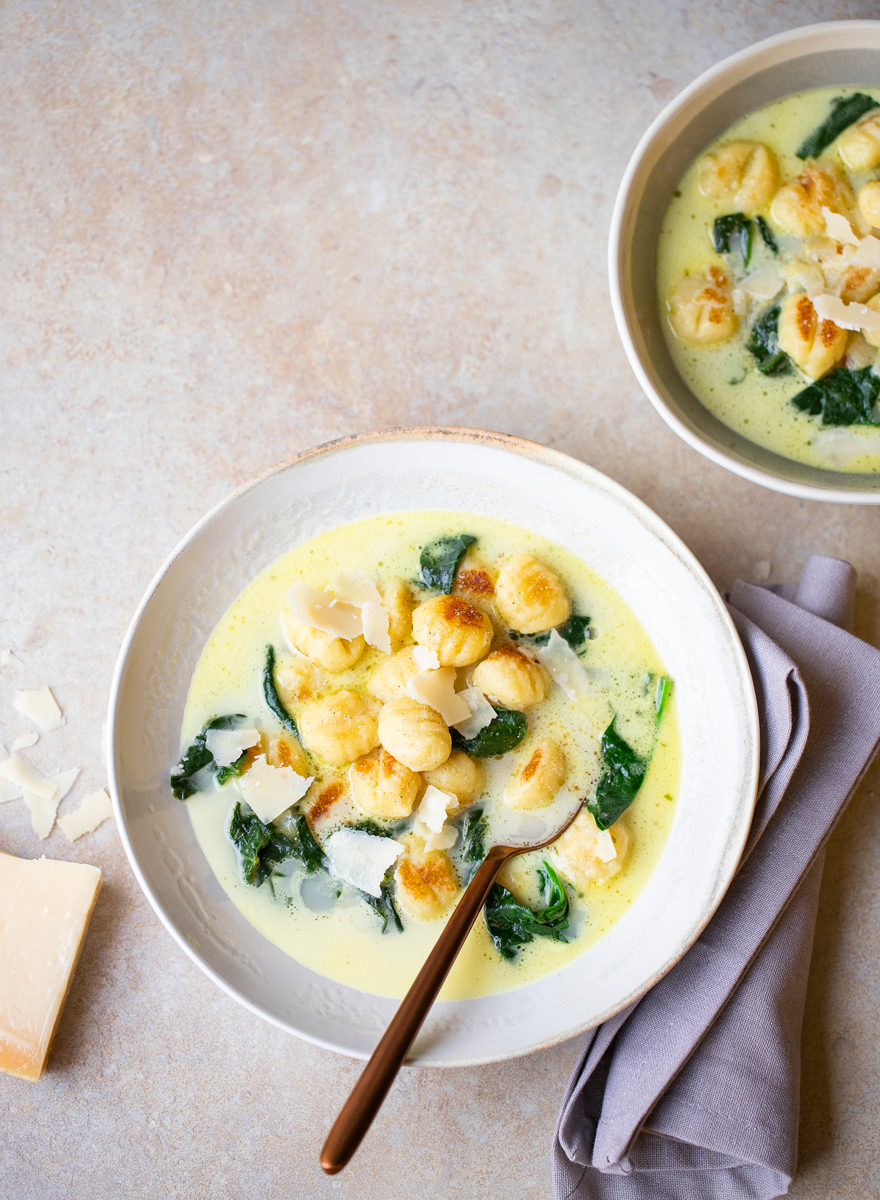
[
  {"x": 835, "y": 53},
  {"x": 477, "y": 472}
]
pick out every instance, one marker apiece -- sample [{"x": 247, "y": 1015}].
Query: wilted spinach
[
  {"x": 270, "y": 692},
  {"x": 512, "y": 925},
  {"x": 842, "y": 397},
  {"x": 764, "y": 345},
  {"x": 262, "y": 848},
  {"x": 845, "y": 111},
  {"x": 438, "y": 562},
  {"x": 471, "y": 844},
  {"x": 622, "y": 774},
  {"x": 197, "y": 756},
  {"x": 766, "y": 234},
  {"x": 733, "y": 228},
  {"x": 575, "y": 631},
  {"x": 383, "y": 904},
  {"x": 506, "y": 731},
  {"x": 662, "y": 694}
]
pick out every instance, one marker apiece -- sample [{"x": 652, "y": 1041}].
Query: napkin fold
[{"x": 692, "y": 1093}]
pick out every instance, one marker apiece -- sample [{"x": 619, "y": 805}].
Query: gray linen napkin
[{"x": 692, "y": 1093}]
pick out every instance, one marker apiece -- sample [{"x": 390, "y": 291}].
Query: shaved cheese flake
[
  {"x": 228, "y": 745},
  {"x": 41, "y": 707},
  {"x": 425, "y": 658},
  {"x": 839, "y": 447},
  {"x": 481, "y": 712},
  {"x": 320, "y": 610},
  {"x": 270, "y": 790},
  {"x": 763, "y": 285},
  {"x": 24, "y": 741},
  {"x": 437, "y": 689},
  {"x": 43, "y": 811},
  {"x": 565, "y": 668},
  {"x": 444, "y": 839},
  {"x": 837, "y": 227},
  {"x": 8, "y": 658},
  {"x": 434, "y": 807},
  {"x": 356, "y": 587},
  {"x": 18, "y": 770},
  {"x": 376, "y": 626},
  {"x": 846, "y": 316},
  {"x": 8, "y": 790},
  {"x": 95, "y": 809},
  {"x": 606, "y": 851},
  {"x": 867, "y": 254},
  {"x": 361, "y": 859}
]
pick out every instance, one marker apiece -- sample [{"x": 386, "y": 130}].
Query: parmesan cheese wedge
[
  {"x": 41, "y": 707},
  {"x": 42, "y": 810},
  {"x": 95, "y": 808},
  {"x": 270, "y": 790},
  {"x": 45, "y": 908}
]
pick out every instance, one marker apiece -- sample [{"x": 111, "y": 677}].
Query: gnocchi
[
  {"x": 797, "y": 206},
  {"x": 512, "y": 678},
  {"x": 743, "y": 173},
  {"x": 700, "y": 309},
  {"x": 537, "y": 780},
  {"x": 814, "y": 345},
  {"x": 458, "y": 631},
  {"x": 426, "y": 882},
  {"x": 529, "y": 596},
  {"x": 332, "y": 653},
  {"x": 859, "y": 146},
  {"x": 460, "y": 776},
  {"x": 340, "y": 727},
  {"x": 581, "y": 856},
  {"x": 383, "y": 787},
  {"x": 414, "y": 734}
]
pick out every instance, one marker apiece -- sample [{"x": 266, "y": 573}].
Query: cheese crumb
[
  {"x": 361, "y": 859},
  {"x": 41, "y": 707},
  {"x": 95, "y": 808},
  {"x": 270, "y": 790}
]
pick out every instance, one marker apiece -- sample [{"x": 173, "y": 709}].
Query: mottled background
[{"x": 232, "y": 230}]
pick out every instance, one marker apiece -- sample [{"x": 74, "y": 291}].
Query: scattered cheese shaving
[
  {"x": 361, "y": 859},
  {"x": 565, "y": 668},
  {"x": 867, "y": 253},
  {"x": 320, "y": 610},
  {"x": 270, "y": 790},
  {"x": 605, "y": 848},
  {"x": 356, "y": 587},
  {"x": 430, "y": 821},
  {"x": 444, "y": 840},
  {"x": 763, "y": 285},
  {"x": 19, "y": 770},
  {"x": 43, "y": 811},
  {"x": 481, "y": 712},
  {"x": 8, "y": 790},
  {"x": 425, "y": 658},
  {"x": 24, "y": 741},
  {"x": 228, "y": 745},
  {"x": 95, "y": 808},
  {"x": 41, "y": 707},
  {"x": 837, "y": 227},
  {"x": 437, "y": 689},
  {"x": 846, "y": 316},
  {"x": 376, "y": 624}
]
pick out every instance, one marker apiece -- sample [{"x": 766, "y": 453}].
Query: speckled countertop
[{"x": 233, "y": 230}]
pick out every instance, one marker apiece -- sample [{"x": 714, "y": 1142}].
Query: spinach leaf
[
  {"x": 197, "y": 756},
  {"x": 271, "y": 694},
  {"x": 383, "y": 904},
  {"x": 512, "y": 925},
  {"x": 845, "y": 111},
  {"x": 662, "y": 694},
  {"x": 233, "y": 770},
  {"x": 764, "y": 345},
  {"x": 574, "y": 631},
  {"x": 842, "y": 397},
  {"x": 507, "y": 730},
  {"x": 622, "y": 776},
  {"x": 377, "y": 829},
  {"x": 439, "y": 561},
  {"x": 471, "y": 844},
  {"x": 767, "y": 234},
  {"x": 733, "y": 226},
  {"x": 262, "y": 848}
]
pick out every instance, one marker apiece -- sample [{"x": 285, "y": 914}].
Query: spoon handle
[{"x": 386, "y": 1060}]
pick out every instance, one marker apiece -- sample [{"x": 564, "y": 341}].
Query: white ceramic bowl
[
  {"x": 498, "y": 476},
  {"x": 833, "y": 53}
]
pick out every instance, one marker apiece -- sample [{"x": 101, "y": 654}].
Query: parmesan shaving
[
  {"x": 96, "y": 808},
  {"x": 43, "y": 811},
  {"x": 228, "y": 745},
  {"x": 361, "y": 859},
  {"x": 565, "y": 668},
  {"x": 430, "y": 824},
  {"x": 425, "y": 658},
  {"x": 763, "y": 285},
  {"x": 837, "y": 227},
  {"x": 846, "y": 316},
  {"x": 324, "y": 612},
  {"x": 444, "y": 839},
  {"x": 24, "y": 741},
  {"x": 481, "y": 712},
  {"x": 376, "y": 626},
  {"x": 18, "y": 770},
  {"x": 606, "y": 851},
  {"x": 437, "y": 689},
  {"x": 356, "y": 587},
  {"x": 41, "y": 707},
  {"x": 867, "y": 253},
  {"x": 270, "y": 790}
]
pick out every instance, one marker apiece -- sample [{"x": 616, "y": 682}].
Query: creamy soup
[
  {"x": 388, "y": 700},
  {"x": 768, "y": 271}
]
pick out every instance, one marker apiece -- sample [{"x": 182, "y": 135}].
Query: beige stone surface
[{"x": 232, "y": 230}]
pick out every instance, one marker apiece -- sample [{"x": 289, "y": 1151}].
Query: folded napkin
[{"x": 692, "y": 1093}]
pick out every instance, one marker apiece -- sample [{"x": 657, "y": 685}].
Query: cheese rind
[{"x": 45, "y": 906}]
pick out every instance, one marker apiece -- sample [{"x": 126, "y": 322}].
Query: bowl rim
[
  {"x": 581, "y": 471},
  {"x": 708, "y": 81}
]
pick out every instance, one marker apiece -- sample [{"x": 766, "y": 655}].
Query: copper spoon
[{"x": 373, "y": 1086}]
